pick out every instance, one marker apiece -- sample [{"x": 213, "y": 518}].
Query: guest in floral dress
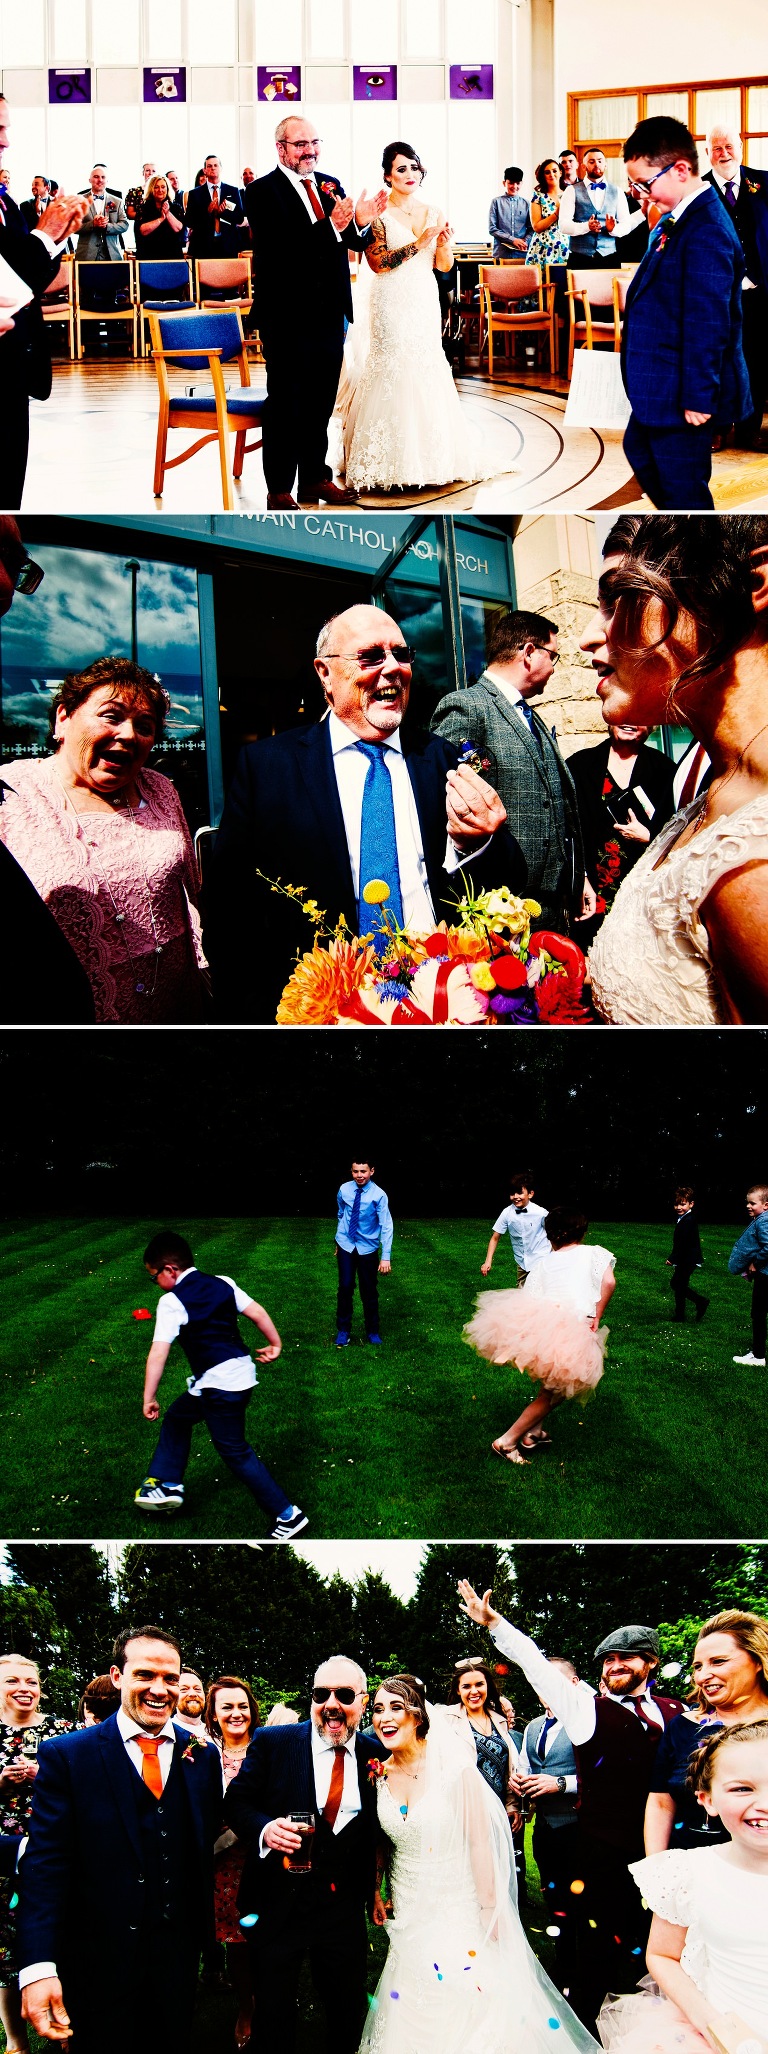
[
  {"x": 23, "y": 1727},
  {"x": 548, "y": 244},
  {"x": 231, "y": 1716}
]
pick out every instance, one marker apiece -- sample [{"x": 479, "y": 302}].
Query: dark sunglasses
[
  {"x": 25, "y": 575},
  {"x": 344, "y": 1695},
  {"x": 470, "y": 1662}
]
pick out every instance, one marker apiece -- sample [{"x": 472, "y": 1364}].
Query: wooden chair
[
  {"x": 162, "y": 287},
  {"x": 228, "y": 275},
  {"x": 502, "y": 286},
  {"x": 89, "y": 276},
  {"x": 586, "y": 291},
  {"x": 192, "y": 342},
  {"x": 58, "y": 301}
]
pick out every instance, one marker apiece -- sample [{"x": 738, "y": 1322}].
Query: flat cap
[{"x": 630, "y": 1640}]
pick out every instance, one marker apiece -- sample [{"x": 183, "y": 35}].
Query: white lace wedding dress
[
  {"x": 460, "y": 1977},
  {"x": 401, "y": 416},
  {"x": 650, "y": 963}
]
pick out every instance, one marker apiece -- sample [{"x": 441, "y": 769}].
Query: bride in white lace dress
[
  {"x": 681, "y": 635},
  {"x": 460, "y": 1977},
  {"x": 402, "y": 419}
]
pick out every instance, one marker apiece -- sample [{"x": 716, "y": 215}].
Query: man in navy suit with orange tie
[
  {"x": 116, "y": 1884},
  {"x": 682, "y": 359}
]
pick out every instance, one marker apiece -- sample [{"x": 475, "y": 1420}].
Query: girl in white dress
[
  {"x": 708, "y": 1946},
  {"x": 551, "y": 1329},
  {"x": 460, "y": 1977},
  {"x": 402, "y": 419},
  {"x": 681, "y": 636}
]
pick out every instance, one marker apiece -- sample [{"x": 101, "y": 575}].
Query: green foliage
[{"x": 380, "y": 1442}]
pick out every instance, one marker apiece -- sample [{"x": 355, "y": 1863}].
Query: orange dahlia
[{"x": 320, "y": 983}]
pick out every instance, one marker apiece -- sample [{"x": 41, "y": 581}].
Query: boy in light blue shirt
[
  {"x": 363, "y": 1250},
  {"x": 524, "y": 1223}
]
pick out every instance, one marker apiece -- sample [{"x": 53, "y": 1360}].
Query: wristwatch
[{"x": 561, "y": 1786}]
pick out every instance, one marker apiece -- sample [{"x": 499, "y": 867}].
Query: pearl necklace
[{"x": 139, "y": 985}]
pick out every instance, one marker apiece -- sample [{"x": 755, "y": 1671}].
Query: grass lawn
[{"x": 389, "y": 1442}]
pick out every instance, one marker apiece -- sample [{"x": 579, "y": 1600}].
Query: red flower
[{"x": 509, "y": 972}]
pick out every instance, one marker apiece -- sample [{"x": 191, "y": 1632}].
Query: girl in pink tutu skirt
[
  {"x": 550, "y": 1329},
  {"x": 708, "y": 1946}
]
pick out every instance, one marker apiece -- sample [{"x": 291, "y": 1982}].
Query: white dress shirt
[
  {"x": 129, "y": 1733},
  {"x": 237, "y": 1373},
  {"x": 574, "y": 1704},
  {"x": 301, "y": 187},
  {"x": 351, "y": 770},
  {"x": 514, "y": 698},
  {"x": 625, "y": 221},
  {"x": 524, "y": 1225},
  {"x": 526, "y": 1769},
  {"x": 322, "y": 1770}
]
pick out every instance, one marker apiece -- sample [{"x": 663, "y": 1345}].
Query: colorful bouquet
[{"x": 487, "y": 970}]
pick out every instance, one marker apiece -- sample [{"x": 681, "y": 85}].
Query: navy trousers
[
  {"x": 673, "y": 465},
  {"x": 365, "y": 1268},
  {"x": 224, "y": 1415}
]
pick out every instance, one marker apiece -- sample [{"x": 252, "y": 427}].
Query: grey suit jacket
[
  {"x": 537, "y": 790},
  {"x": 98, "y": 244}
]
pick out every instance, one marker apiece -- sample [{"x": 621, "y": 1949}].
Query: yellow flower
[
  {"x": 376, "y": 892},
  {"x": 532, "y": 906},
  {"x": 481, "y": 975},
  {"x": 321, "y": 981}
]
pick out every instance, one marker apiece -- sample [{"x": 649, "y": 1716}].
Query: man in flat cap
[{"x": 614, "y": 1736}]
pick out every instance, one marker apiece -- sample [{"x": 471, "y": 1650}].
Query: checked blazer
[
  {"x": 681, "y": 345},
  {"x": 536, "y": 788}
]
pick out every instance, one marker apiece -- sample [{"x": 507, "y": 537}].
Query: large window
[{"x": 606, "y": 118}]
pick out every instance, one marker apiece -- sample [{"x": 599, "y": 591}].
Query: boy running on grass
[
  {"x": 750, "y": 1258},
  {"x": 201, "y": 1312},
  {"x": 522, "y": 1220}
]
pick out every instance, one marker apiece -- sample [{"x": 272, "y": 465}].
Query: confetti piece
[
  {"x": 394, "y": 1993},
  {"x": 593, "y": 1923},
  {"x": 373, "y": 2003},
  {"x": 637, "y": 1950},
  {"x": 576, "y": 1888},
  {"x": 554, "y": 2023},
  {"x": 251, "y": 1919},
  {"x": 553, "y": 1932},
  {"x": 472, "y": 1952},
  {"x": 13, "y": 1903},
  {"x": 141, "y": 1312}
]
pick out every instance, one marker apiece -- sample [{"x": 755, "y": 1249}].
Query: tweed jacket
[{"x": 537, "y": 790}]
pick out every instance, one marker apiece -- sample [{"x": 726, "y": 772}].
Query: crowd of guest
[
  {"x": 572, "y": 215},
  {"x": 606, "y": 1769}
]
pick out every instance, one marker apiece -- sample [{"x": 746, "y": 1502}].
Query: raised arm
[{"x": 574, "y": 1707}]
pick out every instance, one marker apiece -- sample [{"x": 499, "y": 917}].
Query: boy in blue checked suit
[
  {"x": 363, "y": 1250},
  {"x": 682, "y": 359}
]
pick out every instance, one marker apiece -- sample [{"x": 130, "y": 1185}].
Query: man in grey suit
[
  {"x": 101, "y": 239},
  {"x": 525, "y": 765}
]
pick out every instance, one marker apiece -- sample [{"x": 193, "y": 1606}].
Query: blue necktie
[
  {"x": 354, "y": 1217},
  {"x": 378, "y": 842},
  {"x": 549, "y": 1722},
  {"x": 530, "y": 723}
]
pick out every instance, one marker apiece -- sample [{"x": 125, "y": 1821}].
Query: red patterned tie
[
  {"x": 314, "y": 199},
  {"x": 331, "y": 1808}
]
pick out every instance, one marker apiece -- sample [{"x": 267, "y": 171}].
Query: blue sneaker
[
  {"x": 342, "y": 1340},
  {"x": 153, "y": 1496},
  {"x": 375, "y": 1340}
]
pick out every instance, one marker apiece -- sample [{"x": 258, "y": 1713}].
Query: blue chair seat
[
  {"x": 166, "y": 306},
  {"x": 237, "y": 403}
]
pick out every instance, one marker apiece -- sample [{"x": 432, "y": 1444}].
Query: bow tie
[{"x": 596, "y": 185}]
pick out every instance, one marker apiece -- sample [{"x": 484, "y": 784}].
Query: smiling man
[
  {"x": 116, "y": 1885},
  {"x": 321, "y": 1768},
  {"x": 332, "y": 807}
]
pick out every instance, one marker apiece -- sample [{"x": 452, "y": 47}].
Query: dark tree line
[{"x": 267, "y": 1614}]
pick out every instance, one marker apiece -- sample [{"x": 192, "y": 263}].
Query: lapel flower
[
  {"x": 195, "y": 1740},
  {"x": 327, "y": 186},
  {"x": 377, "y": 1770},
  {"x": 752, "y": 185}
]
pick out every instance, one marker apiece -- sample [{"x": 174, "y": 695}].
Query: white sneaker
[{"x": 751, "y": 1361}]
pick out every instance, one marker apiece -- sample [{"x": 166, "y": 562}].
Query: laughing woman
[
  {"x": 681, "y": 636},
  {"x": 106, "y": 845}
]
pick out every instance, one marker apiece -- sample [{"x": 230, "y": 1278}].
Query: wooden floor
[{"x": 92, "y": 451}]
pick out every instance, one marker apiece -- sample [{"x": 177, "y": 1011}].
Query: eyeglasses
[
  {"x": 315, "y": 143},
  {"x": 553, "y": 654},
  {"x": 374, "y": 659},
  {"x": 26, "y": 575},
  {"x": 344, "y": 1695},
  {"x": 643, "y": 185}
]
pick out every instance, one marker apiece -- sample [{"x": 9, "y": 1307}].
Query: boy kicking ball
[{"x": 201, "y": 1313}]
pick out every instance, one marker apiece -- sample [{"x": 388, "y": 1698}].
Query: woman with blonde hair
[
  {"x": 729, "y": 1673},
  {"x": 23, "y": 1728}
]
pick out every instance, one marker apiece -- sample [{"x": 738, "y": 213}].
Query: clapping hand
[
  {"x": 64, "y": 216},
  {"x": 474, "y": 809},
  {"x": 445, "y": 240},
  {"x": 367, "y": 210},
  {"x": 342, "y": 214},
  {"x": 479, "y": 1609}
]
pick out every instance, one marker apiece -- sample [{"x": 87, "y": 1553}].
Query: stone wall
[{"x": 557, "y": 567}]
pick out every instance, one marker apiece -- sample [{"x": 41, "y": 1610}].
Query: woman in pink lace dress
[
  {"x": 106, "y": 844},
  {"x": 231, "y": 1716}
]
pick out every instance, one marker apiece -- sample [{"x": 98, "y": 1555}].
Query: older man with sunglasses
[
  {"x": 335, "y": 806},
  {"x": 43, "y": 982},
  {"x": 310, "y": 1786}
]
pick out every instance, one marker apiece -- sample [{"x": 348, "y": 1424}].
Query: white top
[
  {"x": 725, "y": 1912},
  {"x": 650, "y": 964},
  {"x": 351, "y": 768},
  {"x": 572, "y": 1277},
  {"x": 238, "y": 1373},
  {"x": 625, "y": 222},
  {"x": 526, "y": 1232}
]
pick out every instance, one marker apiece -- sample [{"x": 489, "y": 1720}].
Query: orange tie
[
  {"x": 217, "y": 223},
  {"x": 150, "y": 1767},
  {"x": 314, "y": 199},
  {"x": 333, "y": 1801}
]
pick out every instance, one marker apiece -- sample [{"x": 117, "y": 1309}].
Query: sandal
[
  {"x": 536, "y": 1439},
  {"x": 510, "y": 1454}
]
